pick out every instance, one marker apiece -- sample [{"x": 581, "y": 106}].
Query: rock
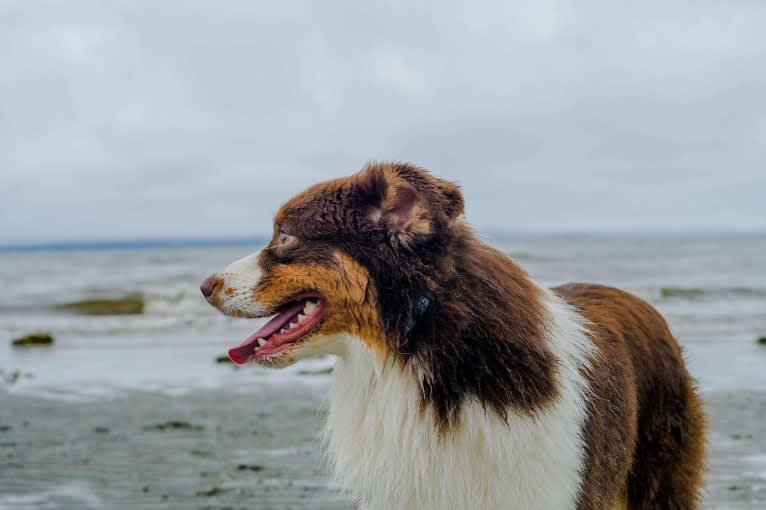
[
  {"x": 130, "y": 305},
  {"x": 215, "y": 491},
  {"x": 223, "y": 359},
  {"x": 761, "y": 340},
  {"x": 250, "y": 467},
  {"x": 38, "y": 339},
  {"x": 174, "y": 425}
]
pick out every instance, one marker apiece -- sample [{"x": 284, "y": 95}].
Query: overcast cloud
[{"x": 198, "y": 119}]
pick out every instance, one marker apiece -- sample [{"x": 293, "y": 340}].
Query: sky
[{"x": 187, "y": 119}]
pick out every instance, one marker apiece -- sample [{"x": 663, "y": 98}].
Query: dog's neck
[
  {"x": 389, "y": 449},
  {"x": 481, "y": 338}
]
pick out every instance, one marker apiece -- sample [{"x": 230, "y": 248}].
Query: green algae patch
[
  {"x": 681, "y": 292},
  {"x": 131, "y": 305},
  {"x": 38, "y": 339}
]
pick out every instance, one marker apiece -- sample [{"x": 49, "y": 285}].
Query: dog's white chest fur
[{"x": 390, "y": 456}]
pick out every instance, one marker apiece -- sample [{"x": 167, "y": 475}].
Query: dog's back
[{"x": 640, "y": 373}]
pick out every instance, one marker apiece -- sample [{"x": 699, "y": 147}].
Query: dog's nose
[{"x": 210, "y": 285}]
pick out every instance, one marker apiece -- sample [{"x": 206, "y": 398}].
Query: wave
[
  {"x": 695, "y": 293},
  {"x": 179, "y": 306},
  {"x": 165, "y": 308}
]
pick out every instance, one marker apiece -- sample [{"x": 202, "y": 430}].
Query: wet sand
[
  {"x": 153, "y": 451},
  {"x": 215, "y": 450},
  {"x": 737, "y": 463}
]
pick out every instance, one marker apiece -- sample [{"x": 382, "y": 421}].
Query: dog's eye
[{"x": 285, "y": 238}]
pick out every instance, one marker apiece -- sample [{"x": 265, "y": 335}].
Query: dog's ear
[{"x": 407, "y": 201}]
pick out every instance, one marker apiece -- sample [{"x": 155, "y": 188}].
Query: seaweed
[
  {"x": 129, "y": 305},
  {"x": 37, "y": 339}
]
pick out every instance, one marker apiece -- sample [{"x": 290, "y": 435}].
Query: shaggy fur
[
  {"x": 504, "y": 394},
  {"x": 484, "y": 461}
]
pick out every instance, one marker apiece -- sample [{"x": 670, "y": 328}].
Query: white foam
[{"x": 71, "y": 493}]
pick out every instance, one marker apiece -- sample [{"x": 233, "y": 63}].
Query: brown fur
[
  {"x": 646, "y": 426},
  {"x": 351, "y": 303}
]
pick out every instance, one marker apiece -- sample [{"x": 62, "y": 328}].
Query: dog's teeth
[
  {"x": 301, "y": 317},
  {"x": 293, "y": 325},
  {"x": 283, "y": 331},
  {"x": 310, "y": 305},
  {"x": 261, "y": 342}
]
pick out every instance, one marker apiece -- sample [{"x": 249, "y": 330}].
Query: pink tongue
[{"x": 246, "y": 350}]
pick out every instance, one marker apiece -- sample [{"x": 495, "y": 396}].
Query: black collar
[{"x": 422, "y": 304}]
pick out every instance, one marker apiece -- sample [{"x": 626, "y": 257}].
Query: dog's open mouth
[{"x": 293, "y": 322}]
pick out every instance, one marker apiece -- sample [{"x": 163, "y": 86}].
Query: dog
[{"x": 460, "y": 383}]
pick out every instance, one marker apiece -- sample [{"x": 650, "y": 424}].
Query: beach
[
  {"x": 134, "y": 411},
  {"x": 207, "y": 450},
  {"x": 149, "y": 450}
]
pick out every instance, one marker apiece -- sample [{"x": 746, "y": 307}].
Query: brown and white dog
[{"x": 461, "y": 383}]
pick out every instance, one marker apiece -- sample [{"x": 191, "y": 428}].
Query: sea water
[{"x": 712, "y": 291}]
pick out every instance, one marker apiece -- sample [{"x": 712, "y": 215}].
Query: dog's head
[{"x": 347, "y": 259}]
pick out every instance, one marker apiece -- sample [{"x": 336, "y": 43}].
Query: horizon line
[{"x": 492, "y": 235}]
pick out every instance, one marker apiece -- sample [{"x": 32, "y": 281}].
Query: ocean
[{"x": 711, "y": 290}]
